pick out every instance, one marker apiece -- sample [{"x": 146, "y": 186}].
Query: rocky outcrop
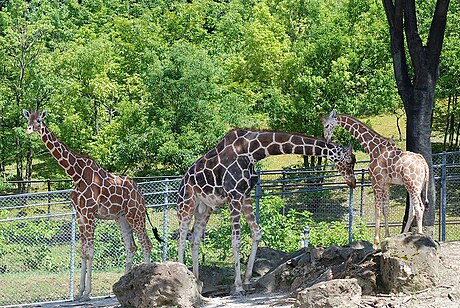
[
  {"x": 410, "y": 263},
  {"x": 168, "y": 284},
  {"x": 310, "y": 266}
]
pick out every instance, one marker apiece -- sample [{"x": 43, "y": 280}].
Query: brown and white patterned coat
[
  {"x": 225, "y": 175},
  {"x": 97, "y": 194},
  {"x": 388, "y": 165}
]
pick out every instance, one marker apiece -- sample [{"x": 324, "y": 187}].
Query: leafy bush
[{"x": 282, "y": 232}]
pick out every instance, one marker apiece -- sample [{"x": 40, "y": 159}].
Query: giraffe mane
[{"x": 368, "y": 127}]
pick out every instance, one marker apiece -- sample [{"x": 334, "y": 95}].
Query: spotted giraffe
[
  {"x": 97, "y": 194},
  {"x": 225, "y": 175},
  {"x": 388, "y": 165}
]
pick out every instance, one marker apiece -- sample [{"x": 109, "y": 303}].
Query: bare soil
[{"x": 445, "y": 295}]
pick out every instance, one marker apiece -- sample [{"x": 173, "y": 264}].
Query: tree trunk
[
  {"x": 418, "y": 140},
  {"x": 446, "y": 129},
  {"x": 416, "y": 86},
  {"x": 30, "y": 156}
]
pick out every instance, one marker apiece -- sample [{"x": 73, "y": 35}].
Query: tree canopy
[{"x": 146, "y": 87}]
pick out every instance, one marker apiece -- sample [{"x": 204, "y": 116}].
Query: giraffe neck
[
  {"x": 367, "y": 138},
  {"x": 277, "y": 143},
  {"x": 64, "y": 156}
]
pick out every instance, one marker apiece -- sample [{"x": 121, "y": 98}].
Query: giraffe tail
[
  {"x": 154, "y": 229},
  {"x": 427, "y": 183}
]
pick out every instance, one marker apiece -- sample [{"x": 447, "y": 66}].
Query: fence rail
[{"x": 39, "y": 243}]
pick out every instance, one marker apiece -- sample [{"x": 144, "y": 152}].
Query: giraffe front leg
[
  {"x": 87, "y": 227},
  {"x": 235, "y": 214},
  {"x": 185, "y": 210},
  {"x": 84, "y": 290},
  {"x": 81, "y": 288},
  {"x": 256, "y": 237},
  {"x": 202, "y": 215}
]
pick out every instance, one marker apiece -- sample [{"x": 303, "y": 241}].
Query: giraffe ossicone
[
  {"x": 388, "y": 165},
  {"x": 97, "y": 194},
  {"x": 226, "y": 175}
]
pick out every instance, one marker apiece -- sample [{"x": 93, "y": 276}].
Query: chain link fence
[{"x": 40, "y": 245}]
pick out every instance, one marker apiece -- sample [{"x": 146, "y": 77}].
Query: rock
[
  {"x": 168, "y": 284},
  {"x": 410, "y": 263},
  {"x": 278, "y": 279},
  {"x": 312, "y": 265},
  {"x": 344, "y": 293},
  {"x": 217, "y": 281},
  {"x": 267, "y": 259}
]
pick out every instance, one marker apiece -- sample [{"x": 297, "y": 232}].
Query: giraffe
[
  {"x": 226, "y": 175},
  {"x": 97, "y": 194},
  {"x": 388, "y": 165}
]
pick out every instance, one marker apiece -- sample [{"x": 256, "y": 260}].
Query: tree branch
[
  {"x": 436, "y": 35},
  {"x": 414, "y": 42},
  {"x": 394, "y": 13}
]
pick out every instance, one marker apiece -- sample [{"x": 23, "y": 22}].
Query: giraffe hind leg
[
  {"x": 130, "y": 246},
  {"x": 410, "y": 217}
]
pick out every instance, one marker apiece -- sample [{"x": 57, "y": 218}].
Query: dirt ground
[{"x": 445, "y": 295}]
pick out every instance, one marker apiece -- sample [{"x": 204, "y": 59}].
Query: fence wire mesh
[{"x": 40, "y": 246}]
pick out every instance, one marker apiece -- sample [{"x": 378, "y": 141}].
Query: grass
[{"x": 30, "y": 287}]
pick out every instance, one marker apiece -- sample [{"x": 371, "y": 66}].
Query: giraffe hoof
[
  {"x": 238, "y": 291},
  {"x": 82, "y": 298}
]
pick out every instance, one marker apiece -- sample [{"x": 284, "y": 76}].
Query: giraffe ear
[
  {"x": 349, "y": 147},
  {"x": 25, "y": 113},
  {"x": 44, "y": 113}
]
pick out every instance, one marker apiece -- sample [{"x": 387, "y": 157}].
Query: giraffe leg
[
  {"x": 135, "y": 220},
  {"x": 235, "y": 214},
  {"x": 417, "y": 209},
  {"x": 202, "y": 214},
  {"x": 379, "y": 204},
  {"x": 256, "y": 236},
  {"x": 386, "y": 208},
  {"x": 185, "y": 210},
  {"x": 87, "y": 227},
  {"x": 127, "y": 234}
]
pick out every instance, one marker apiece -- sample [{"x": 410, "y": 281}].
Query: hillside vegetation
[{"x": 147, "y": 87}]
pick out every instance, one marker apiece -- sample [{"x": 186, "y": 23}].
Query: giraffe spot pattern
[{"x": 226, "y": 174}]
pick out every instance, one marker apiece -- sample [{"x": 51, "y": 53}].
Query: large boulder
[
  {"x": 168, "y": 284},
  {"x": 409, "y": 263},
  {"x": 345, "y": 293}
]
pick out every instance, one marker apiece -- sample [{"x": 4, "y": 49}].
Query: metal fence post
[
  {"x": 165, "y": 221},
  {"x": 361, "y": 206},
  {"x": 443, "y": 195},
  {"x": 258, "y": 197},
  {"x": 72, "y": 253},
  {"x": 350, "y": 217}
]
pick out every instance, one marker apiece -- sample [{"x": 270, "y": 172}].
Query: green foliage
[
  {"x": 148, "y": 87},
  {"x": 282, "y": 232}
]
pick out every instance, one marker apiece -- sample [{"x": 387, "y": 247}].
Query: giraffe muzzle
[
  {"x": 29, "y": 130},
  {"x": 351, "y": 183}
]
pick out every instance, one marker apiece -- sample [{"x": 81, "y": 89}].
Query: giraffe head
[
  {"x": 344, "y": 160},
  {"x": 329, "y": 124},
  {"x": 35, "y": 120}
]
